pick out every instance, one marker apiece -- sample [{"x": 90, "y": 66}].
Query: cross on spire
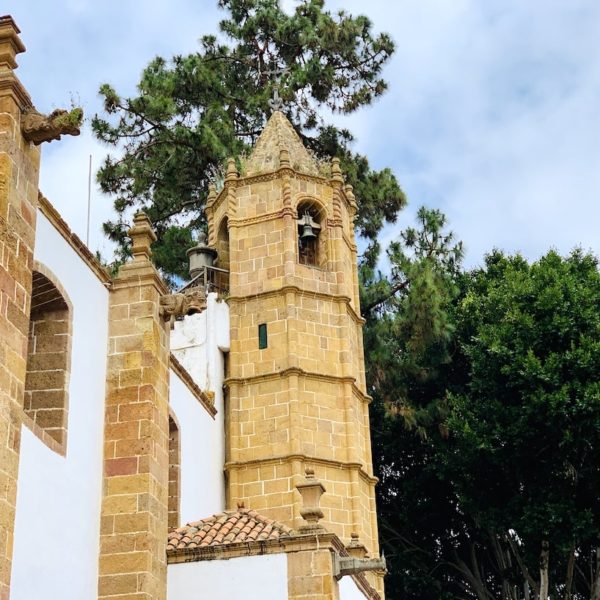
[{"x": 276, "y": 102}]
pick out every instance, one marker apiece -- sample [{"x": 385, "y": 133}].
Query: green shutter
[{"x": 262, "y": 336}]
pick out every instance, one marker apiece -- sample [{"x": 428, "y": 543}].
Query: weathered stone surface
[
  {"x": 136, "y": 456},
  {"x": 300, "y": 400}
]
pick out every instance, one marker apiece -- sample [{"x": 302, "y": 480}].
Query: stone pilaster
[
  {"x": 136, "y": 433},
  {"x": 19, "y": 171}
]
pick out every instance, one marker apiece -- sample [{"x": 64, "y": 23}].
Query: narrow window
[
  {"x": 48, "y": 359},
  {"x": 174, "y": 474},
  {"x": 262, "y": 336}
]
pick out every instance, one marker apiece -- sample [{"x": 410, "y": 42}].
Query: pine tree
[{"x": 195, "y": 111}]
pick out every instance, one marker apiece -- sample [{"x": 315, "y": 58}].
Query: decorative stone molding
[
  {"x": 311, "y": 491},
  {"x": 37, "y": 127},
  {"x": 142, "y": 237}
]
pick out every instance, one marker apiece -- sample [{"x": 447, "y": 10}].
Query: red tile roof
[{"x": 229, "y": 527}]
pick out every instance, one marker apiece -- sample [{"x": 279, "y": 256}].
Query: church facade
[{"x": 209, "y": 443}]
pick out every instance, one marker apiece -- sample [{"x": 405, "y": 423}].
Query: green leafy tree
[
  {"x": 526, "y": 424},
  {"x": 497, "y": 496},
  {"x": 194, "y": 111}
]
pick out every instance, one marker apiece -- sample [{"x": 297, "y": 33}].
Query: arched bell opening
[
  {"x": 223, "y": 245},
  {"x": 312, "y": 234}
]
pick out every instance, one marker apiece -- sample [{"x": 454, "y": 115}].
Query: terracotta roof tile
[{"x": 229, "y": 527}]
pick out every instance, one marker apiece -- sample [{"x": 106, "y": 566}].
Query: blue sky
[{"x": 492, "y": 113}]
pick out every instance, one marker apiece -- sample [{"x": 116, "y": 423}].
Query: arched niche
[
  {"x": 46, "y": 398},
  {"x": 311, "y": 217},
  {"x": 222, "y": 245}
]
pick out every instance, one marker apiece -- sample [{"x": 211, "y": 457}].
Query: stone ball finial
[{"x": 142, "y": 237}]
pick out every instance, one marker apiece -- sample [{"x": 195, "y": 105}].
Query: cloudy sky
[{"x": 492, "y": 115}]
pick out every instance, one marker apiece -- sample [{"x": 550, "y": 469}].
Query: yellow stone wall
[{"x": 302, "y": 400}]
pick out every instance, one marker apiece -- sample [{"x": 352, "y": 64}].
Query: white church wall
[
  {"x": 57, "y": 524},
  {"x": 251, "y": 577},
  {"x": 202, "y": 491},
  {"x": 199, "y": 343},
  {"x": 349, "y": 590}
]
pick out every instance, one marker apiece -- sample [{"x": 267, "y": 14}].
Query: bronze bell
[{"x": 307, "y": 231}]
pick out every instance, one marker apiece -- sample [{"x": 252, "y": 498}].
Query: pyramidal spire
[{"x": 279, "y": 135}]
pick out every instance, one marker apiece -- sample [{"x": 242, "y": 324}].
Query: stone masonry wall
[
  {"x": 133, "y": 530},
  {"x": 19, "y": 173}
]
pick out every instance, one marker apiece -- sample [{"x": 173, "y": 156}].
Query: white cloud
[{"x": 491, "y": 113}]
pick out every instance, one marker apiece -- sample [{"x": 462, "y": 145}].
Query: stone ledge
[
  {"x": 298, "y": 290},
  {"x": 289, "y": 458},
  {"x": 302, "y": 373}
]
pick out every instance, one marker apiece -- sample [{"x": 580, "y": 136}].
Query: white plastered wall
[
  {"x": 349, "y": 590},
  {"x": 57, "y": 524},
  {"x": 251, "y": 578},
  {"x": 199, "y": 343}
]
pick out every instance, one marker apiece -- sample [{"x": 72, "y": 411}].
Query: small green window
[{"x": 262, "y": 336}]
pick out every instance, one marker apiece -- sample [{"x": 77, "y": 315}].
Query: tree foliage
[
  {"x": 498, "y": 495},
  {"x": 193, "y": 112}
]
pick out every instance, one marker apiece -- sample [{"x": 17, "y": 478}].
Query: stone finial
[
  {"x": 212, "y": 194},
  {"x": 232, "y": 173},
  {"x": 350, "y": 193},
  {"x": 311, "y": 490},
  {"x": 142, "y": 236},
  {"x": 10, "y": 43},
  {"x": 356, "y": 548},
  {"x": 336, "y": 171}
]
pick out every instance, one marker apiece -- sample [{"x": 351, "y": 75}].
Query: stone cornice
[
  {"x": 288, "y": 458},
  {"x": 294, "y": 289},
  {"x": 290, "y": 371},
  {"x": 73, "y": 240},
  {"x": 268, "y": 176},
  {"x": 202, "y": 397}
]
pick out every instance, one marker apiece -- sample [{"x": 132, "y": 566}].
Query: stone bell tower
[{"x": 283, "y": 227}]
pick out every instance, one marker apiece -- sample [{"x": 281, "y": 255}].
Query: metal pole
[{"x": 87, "y": 237}]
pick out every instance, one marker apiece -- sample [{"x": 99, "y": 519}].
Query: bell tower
[{"x": 283, "y": 227}]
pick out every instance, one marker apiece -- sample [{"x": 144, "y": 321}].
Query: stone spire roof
[{"x": 278, "y": 135}]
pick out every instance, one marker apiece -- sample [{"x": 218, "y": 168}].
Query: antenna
[{"x": 87, "y": 236}]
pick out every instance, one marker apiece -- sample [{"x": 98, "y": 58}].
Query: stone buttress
[{"x": 133, "y": 529}]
